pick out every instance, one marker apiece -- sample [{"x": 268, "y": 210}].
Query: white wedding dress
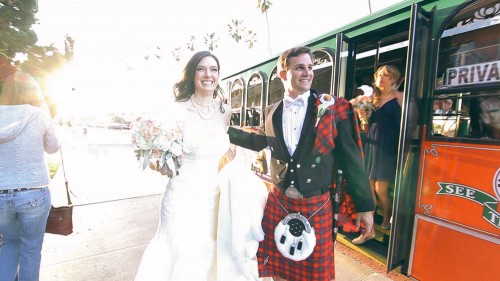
[{"x": 187, "y": 245}]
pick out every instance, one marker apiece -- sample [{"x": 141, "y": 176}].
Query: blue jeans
[{"x": 23, "y": 217}]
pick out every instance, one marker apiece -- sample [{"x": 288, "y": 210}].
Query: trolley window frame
[{"x": 457, "y": 92}]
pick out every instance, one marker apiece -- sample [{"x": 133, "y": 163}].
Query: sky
[{"x": 112, "y": 37}]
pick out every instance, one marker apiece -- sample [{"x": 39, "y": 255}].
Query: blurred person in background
[
  {"x": 444, "y": 117},
  {"x": 26, "y": 132},
  {"x": 485, "y": 115},
  {"x": 490, "y": 116}
]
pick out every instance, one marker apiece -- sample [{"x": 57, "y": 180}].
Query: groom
[{"x": 304, "y": 154}]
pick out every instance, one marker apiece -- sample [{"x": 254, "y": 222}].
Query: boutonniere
[{"x": 324, "y": 102}]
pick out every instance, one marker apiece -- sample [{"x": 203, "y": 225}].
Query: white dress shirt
[{"x": 293, "y": 119}]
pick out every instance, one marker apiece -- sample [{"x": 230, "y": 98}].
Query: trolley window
[
  {"x": 323, "y": 71},
  {"x": 276, "y": 88},
  {"x": 466, "y": 100},
  {"x": 236, "y": 101},
  {"x": 254, "y": 100}
]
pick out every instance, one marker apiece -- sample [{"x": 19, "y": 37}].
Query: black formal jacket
[{"x": 310, "y": 173}]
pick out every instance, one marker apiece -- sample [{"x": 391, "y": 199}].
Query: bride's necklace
[
  {"x": 205, "y": 112},
  {"x": 388, "y": 96}
]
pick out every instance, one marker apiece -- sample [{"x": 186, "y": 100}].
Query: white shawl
[{"x": 243, "y": 197}]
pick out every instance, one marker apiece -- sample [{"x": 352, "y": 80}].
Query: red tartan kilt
[{"x": 320, "y": 265}]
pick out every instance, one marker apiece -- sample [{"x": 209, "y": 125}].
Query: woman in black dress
[{"x": 381, "y": 147}]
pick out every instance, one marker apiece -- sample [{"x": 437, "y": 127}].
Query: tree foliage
[
  {"x": 18, "y": 38},
  {"x": 211, "y": 41},
  {"x": 236, "y": 28},
  {"x": 155, "y": 53},
  {"x": 16, "y": 19},
  {"x": 239, "y": 33},
  {"x": 176, "y": 53},
  {"x": 264, "y": 5},
  {"x": 191, "y": 44},
  {"x": 250, "y": 38}
]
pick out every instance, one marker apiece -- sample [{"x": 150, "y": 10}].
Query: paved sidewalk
[
  {"x": 110, "y": 237},
  {"x": 100, "y": 167},
  {"x": 107, "y": 244}
]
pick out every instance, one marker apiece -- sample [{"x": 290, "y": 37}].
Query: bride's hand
[{"x": 155, "y": 165}]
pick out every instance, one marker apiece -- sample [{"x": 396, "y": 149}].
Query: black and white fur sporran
[{"x": 295, "y": 238}]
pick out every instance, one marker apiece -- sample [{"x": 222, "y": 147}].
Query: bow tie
[{"x": 289, "y": 103}]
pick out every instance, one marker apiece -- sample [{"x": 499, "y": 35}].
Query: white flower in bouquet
[
  {"x": 159, "y": 145},
  {"x": 364, "y": 102}
]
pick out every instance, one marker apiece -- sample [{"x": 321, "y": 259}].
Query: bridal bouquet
[
  {"x": 364, "y": 102},
  {"x": 159, "y": 146}
]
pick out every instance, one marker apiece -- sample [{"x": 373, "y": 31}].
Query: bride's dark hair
[{"x": 184, "y": 89}]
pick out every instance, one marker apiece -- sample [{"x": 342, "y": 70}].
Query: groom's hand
[{"x": 366, "y": 218}]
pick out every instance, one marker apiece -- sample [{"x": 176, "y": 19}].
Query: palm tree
[
  {"x": 239, "y": 32},
  {"x": 264, "y": 6},
  {"x": 191, "y": 44},
  {"x": 176, "y": 53},
  {"x": 235, "y": 29},
  {"x": 250, "y": 38},
  {"x": 211, "y": 41}
]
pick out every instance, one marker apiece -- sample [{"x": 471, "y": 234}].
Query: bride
[{"x": 209, "y": 225}]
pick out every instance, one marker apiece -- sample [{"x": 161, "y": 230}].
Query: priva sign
[{"x": 473, "y": 74}]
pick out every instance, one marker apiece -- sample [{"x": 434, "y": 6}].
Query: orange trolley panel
[
  {"x": 442, "y": 253},
  {"x": 457, "y": 226},
  {"x": 460, "y": 184}
]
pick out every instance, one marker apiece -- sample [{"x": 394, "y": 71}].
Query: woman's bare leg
[
  {"x": 374, "y": 194},
  {"x": 382, "y": 190}
]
